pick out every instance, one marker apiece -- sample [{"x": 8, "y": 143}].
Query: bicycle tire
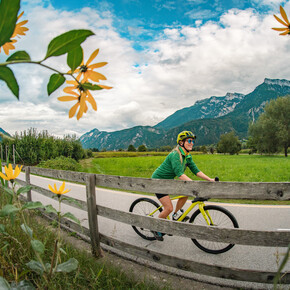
[
  {"x": 144, "y": 206},
  {"x": 221, "y": 217}
]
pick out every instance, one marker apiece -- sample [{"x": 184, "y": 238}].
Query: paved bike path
[{"x": 256, "y": 217}]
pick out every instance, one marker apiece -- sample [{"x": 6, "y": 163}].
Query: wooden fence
[{"x": 228, "y": 190}]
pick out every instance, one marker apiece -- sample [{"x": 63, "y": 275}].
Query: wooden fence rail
[{"x": 225, "y": 190}]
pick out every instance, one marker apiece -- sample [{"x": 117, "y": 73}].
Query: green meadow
[
  {"x": 235, "y": 168},
  {"x": 243, "y": 168}
]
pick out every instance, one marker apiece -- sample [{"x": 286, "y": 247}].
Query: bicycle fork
[{"x": 205, "y": 214}]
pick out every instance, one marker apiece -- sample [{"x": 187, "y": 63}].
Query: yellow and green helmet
[{"x": 184, "y": 135}]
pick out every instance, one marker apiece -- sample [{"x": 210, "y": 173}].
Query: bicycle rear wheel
[
  {"x": 145, "y": 206},
  {"x": 221, "y": 218}
]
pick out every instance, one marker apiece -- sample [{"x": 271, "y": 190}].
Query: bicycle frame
[{"x": 200, "y": 204}]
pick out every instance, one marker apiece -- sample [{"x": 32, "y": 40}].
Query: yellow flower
[
  {"x": 286, "y": 23},
  {"x": 81, "y": 103},
  {"x": 60, "y": 190},
  {"x": 87, "y": 70},
  {"x": 8, "y": 46},
  {"x": 81, "y": 98},
  {"x": 19, "y": 30},
  {"x": 10, "y": 175}
]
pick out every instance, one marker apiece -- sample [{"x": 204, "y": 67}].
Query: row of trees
[{"x": 33, "y": 147}]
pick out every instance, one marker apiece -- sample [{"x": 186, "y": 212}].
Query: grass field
[
  {"x": 244, "y": 168},
  {"x": 239, "y": 168}
]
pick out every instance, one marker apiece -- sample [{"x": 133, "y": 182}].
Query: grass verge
[{"x": 16, "y": 251}]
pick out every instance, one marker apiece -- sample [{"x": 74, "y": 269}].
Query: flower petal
[
  {"x": 280, "y": 29},
  {"x": 284, "y": 15},
  {"x": 93, "y": 55},
  {"x": 97, "y": 65},
  {"x": 92, "y": 101},
  {"x": 67, "y": 190},
  {"x": 281, "y": 21},
  {"x": 286, "y": 32},
  {"x": 82, "y": 107},
  {"x": 95, "y": 76},
  {"x": 20, "y": 15},
  {"x": 4, "y": 176},
  {"x": 73, "y": 110},
  {"x": 62, "y": 187},
  {"x": 105, "y": 87},
  {"x": 67, "y": 98},
  {"x": 51, "y": 189}
]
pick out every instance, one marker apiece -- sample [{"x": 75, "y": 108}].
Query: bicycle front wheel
[
  {"x": 221, "y": 218},
  {"x": 145, "y": 206}
]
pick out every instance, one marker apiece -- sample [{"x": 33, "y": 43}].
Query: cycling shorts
[{"x": 160, "y": 195}]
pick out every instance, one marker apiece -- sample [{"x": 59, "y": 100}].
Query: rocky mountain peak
[{"x": 277, "y": 82}]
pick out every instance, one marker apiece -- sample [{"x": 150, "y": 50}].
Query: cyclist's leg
[
  {"x": 167, "y": 206},
  {"x": 180, "y": 203}
]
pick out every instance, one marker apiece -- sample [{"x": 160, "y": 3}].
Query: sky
[{"x": 163, "y": 55}]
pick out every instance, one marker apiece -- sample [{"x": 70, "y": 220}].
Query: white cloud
[{"x": 182, "y": 65}]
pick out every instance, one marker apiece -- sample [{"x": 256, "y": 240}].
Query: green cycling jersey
[{"x": 173, "y": 165}]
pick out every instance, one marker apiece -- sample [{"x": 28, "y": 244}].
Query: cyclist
[{"x": 174, "y": 165}]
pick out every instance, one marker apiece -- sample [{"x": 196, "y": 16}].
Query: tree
[
  {"x": 142, "y": 148},
  {"x": 203, "y": 149},
  {"x": 229, "y": 143},
  {"x": 131, "y": 148},
  {"x": 271, "y": 132}
]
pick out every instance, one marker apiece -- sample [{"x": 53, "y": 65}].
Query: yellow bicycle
[{"x": 207, "y": 215}]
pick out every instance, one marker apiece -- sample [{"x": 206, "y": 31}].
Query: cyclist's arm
[
  {"x": 184, "y": 177},
  {"x": 205, "y": 177},
  {"x": 200, "y": 174}
]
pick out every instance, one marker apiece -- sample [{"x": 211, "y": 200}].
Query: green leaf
[
  {"x": 282, "y": 265},
  {"x": 66, "y": 42},
  {"x": 63, "y": 251},
  {"x": 50, "y": 209},
  {"x": 72, "y": 201},
  {"x": 24, "y": 189},
  {"x": 8, "y": 17},
  {"x": 35, "y": 266},
  {"x": 89, "y": 86},
  {"x": 68, "y": 266},
  {"x": 55, "y": 81},
  {"x": 9, "y": 190},
  {"x": 4, "y": 284},
  {"x": 19, "y": 55},
  {"x": 2, "y": 231},
  {"x": 22, "y": 285},
  {"x": 27, "y": 230},
  {"x": 33, "y": 205},
  {"x": 72, "y": 217},
  {"x": 7, "y": 75},
  {"x": 38, "y": 246},
  {"x": 8, "y": 209},
  {"x": 74, "y": 58}
]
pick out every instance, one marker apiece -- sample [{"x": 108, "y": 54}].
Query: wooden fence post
[
  {"x": 13, "y": 153},
  {"x": 27, "y": 179},
  {"x": 92, "y": 214}
]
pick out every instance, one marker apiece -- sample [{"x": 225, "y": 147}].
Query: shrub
[{"x": 61, "y": 163}]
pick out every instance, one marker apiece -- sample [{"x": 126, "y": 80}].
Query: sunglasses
[{"x": 189, "y": 141}]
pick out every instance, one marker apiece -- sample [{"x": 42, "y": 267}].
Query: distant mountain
[
  {"x": 3, "y": 132},
  {"x": 213, "y": 107},
  {"x": 208, "y": 119},
  {"x": 136, "y": 136}
]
